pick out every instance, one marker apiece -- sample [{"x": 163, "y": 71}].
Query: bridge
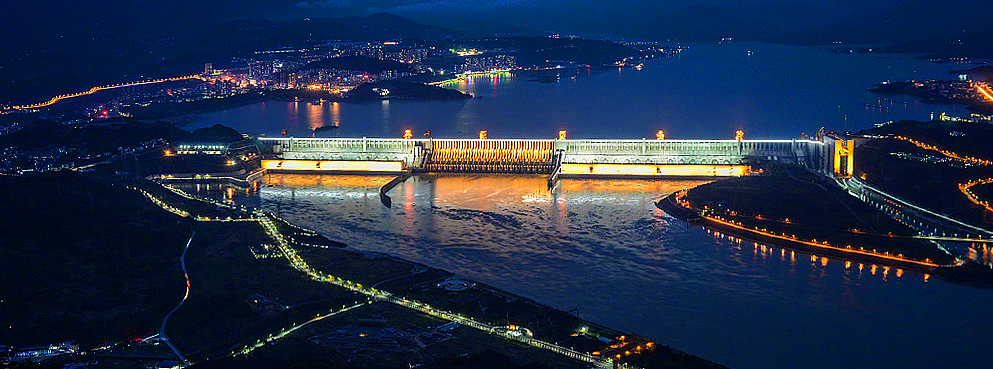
[
  {"x": 930, "y": 225},
  {"x": 563, "y": 157}
]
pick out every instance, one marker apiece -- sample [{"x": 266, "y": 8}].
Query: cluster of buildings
[
  {"x": 482, "y": 63},
  {"x": 972, "y": 118},
  {"x": 334, "y": 80},
  {"x": 17, "y": 160},
  {"x": 23, "y": 160},
  {"x": 9, "y": 355},
  {"x": 963, "y": 91},
  {"x": 390, "y": 50},
  {"x": 222, "y": 87},
  {"x": 282, "y": 68}
]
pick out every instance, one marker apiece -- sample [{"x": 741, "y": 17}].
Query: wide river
[
  {"x": 708, "y": 91},
  {"x": 602, "y": 247}
]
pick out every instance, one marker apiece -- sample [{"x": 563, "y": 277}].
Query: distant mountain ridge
[{"x": 907, "y": 22}]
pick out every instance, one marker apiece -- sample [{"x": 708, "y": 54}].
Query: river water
[
  {"x": 708, "y": 91},
  {"x": 602, "y": 247}
]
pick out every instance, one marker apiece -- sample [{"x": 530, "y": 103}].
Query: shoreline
[
  {"x": 964, "y": 272},
  {"x": 613, "y": 350},
  {"x": 668, "y": 203}
]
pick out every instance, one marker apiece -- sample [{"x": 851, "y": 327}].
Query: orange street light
[
  {"x": 660, "y": 135},
  {"x": 739, "y": 135},
  {"x": 562, "y": 134},
  {"x": 482, "y": 135},
  {"x": 408, "y": 134}
]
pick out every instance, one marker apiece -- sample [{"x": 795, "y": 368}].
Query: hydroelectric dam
[{"x": 556, "y": 157}]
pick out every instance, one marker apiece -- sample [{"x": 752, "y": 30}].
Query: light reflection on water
[
  {"x": 603, "y": 247},
  {"x": 709, "y": 91}
]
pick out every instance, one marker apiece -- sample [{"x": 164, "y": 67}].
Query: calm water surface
[
  {"x": 602, "y": 247},
  {"x": 709, "y": 91}
]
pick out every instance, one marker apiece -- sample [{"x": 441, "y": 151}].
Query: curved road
[{"x": 182, "y": 262}]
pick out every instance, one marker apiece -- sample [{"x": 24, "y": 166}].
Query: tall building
[
  {"x": 260, "y": 70},
  {"x": 208, "y": 69}
]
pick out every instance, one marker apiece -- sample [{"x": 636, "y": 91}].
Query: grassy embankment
[
  {"x": 219, "y": 318},
  {"x": 793, "y": 201},
  {"x": 933, "y": 185},
  {"x": 305, "y": 349}
]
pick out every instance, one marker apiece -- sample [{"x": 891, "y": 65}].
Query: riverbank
[
  {"x": 890, "y": 244},
  {"x": 810, "y": 207},
  {"x": 420, "y": 288},
  {"x": 672, "y": 205}
]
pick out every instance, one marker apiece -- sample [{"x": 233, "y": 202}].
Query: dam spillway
[
  {"x": 490, "y": 156},
  {"x": 588, "y": 157}
]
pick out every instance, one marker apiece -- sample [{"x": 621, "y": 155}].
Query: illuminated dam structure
[{"x": 566, "y": 158}]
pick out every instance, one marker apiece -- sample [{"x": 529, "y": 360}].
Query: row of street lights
[{"x": 660, "y": 135}]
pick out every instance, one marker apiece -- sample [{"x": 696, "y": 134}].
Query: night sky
[{"x": 30, "y": 21}]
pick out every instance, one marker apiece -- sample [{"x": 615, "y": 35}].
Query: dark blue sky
[{"x": 679, "y": 19}]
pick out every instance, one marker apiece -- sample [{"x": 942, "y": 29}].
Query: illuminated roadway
[
  {"x": 100, "y": 88},
  {"x": 985, "y": 90},
  {"x": 286, "y": 332},
  {"x": 182, "y": 261}
]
